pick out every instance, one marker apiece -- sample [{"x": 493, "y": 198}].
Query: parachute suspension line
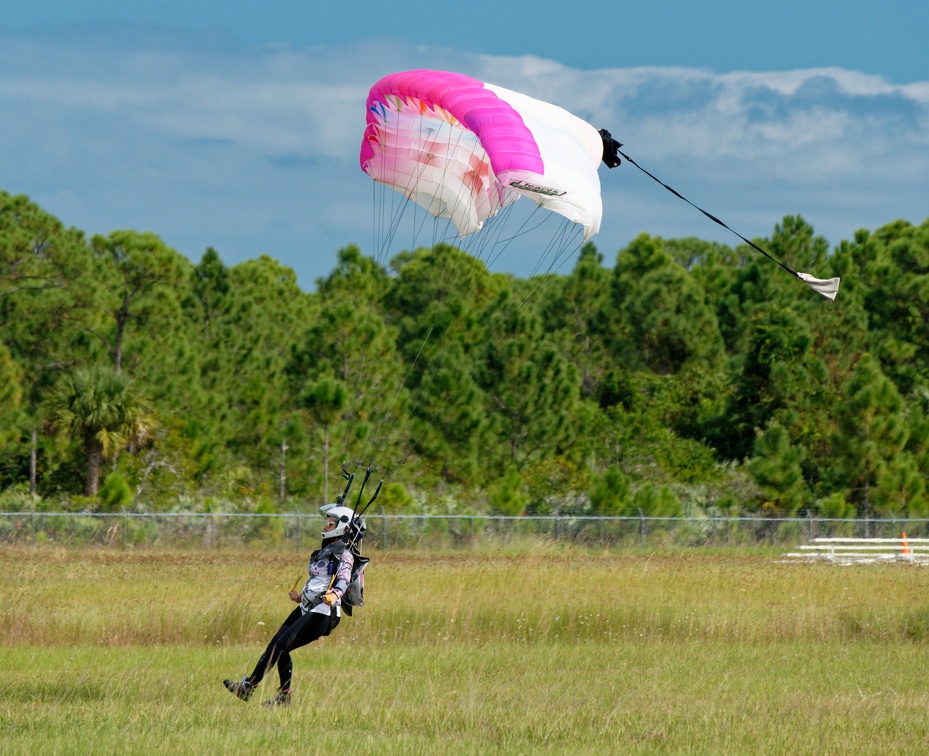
[
  {"x": 386, "y": 225},
  {"x": 418, "y": 225},
  {"x": 389, "y": 222},
  {"x": 378, "y": 214},
  {"x": 452, "y": 397},
  {"x": 437, "y": 359},
  {"x": 537, "y": 281},
  {"x": 385, "y": 234},
  {"x": 498, "y": 242},
  {"x": 431, "y": 422},
  {"x": 557, "y": 248},
  {"x": 494, "y": 237},
  {"x": 558, "y": 243},
  {"x": 384, "y": 221},
  {"x": 389, "y": 418},
  {"x": 395, "y": 405},
  {"x": 449, "y": 276},
  {"x": 354, "y": 411},
  {"x": 398, "y": 203},
  {"x": 561, "y": 243},
  {"x": 828, "y": 288},
  {"x": 402, "y": 195}
]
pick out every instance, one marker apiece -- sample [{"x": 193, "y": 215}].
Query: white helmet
[{"x": 343, "y": 517}]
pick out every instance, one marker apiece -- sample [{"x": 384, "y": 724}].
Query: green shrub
[{"x": 115, "y": 493}]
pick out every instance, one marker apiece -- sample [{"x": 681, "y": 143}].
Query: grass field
[{"x": 546, "y": 650}]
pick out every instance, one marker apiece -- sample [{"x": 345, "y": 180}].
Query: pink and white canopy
[{"x": 462, "y": 149}]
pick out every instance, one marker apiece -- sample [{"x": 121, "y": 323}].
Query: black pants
[{"x": 298, "y": 630}]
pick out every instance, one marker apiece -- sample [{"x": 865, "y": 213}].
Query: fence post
[
  {"x": 125, "y": 527},
  {"x": 297, "y": 515},
  {"x": 729, "y": 529},
  {"x": 383, "y": 529},
  {"x": 472, "y": 531},
  {"x": 642, "y": 515},
  {"x": 33, "y": 523}
]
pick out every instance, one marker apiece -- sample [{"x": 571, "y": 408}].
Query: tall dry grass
[{"x": 114, "y": 598}]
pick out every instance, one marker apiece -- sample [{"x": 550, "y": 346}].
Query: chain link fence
[{"x": 302, "y": 531}]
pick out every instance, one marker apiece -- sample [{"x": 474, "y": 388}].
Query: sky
[{"x": 236, "y": 125}]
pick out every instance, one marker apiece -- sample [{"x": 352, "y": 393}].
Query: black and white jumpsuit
[{"x": 330, "y": 568}]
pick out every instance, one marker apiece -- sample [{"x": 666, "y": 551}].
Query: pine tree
[
  {"x": 775, "y": 466},
  {"x": 531, "y": 390},
  {"x": 871, "y": 431}
]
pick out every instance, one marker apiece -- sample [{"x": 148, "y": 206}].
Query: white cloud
[{"x": 255, "y": 151}]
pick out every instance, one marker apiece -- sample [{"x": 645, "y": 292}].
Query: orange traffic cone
[{"x": 906, "y": 546}]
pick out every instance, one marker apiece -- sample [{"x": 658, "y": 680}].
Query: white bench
[{"x": 864, "y": 550}]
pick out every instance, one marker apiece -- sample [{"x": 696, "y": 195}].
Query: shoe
[
  {"x": 241, "y": 688},
  {"x": 281, "y": 699}
]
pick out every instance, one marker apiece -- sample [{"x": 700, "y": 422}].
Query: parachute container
[{"x": 463, "y": 149}]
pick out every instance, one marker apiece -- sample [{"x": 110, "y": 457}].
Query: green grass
[{"x": 556, "y": 652}]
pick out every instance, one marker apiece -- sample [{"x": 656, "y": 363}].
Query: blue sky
[{"x": 236, "y": 125}]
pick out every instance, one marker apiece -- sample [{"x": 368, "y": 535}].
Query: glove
[{"x": 330, "y": 598}]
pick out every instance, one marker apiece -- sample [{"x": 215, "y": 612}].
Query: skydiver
[{"x": 320, "y": 605}]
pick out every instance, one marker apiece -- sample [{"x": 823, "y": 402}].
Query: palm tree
[{"x": 106, "y": 410}]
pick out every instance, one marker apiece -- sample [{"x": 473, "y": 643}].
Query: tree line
[{"x": 681, "y": 377}]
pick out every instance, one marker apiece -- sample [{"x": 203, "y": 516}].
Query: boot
[
  {"x": 242, "y": 689},
  {"x": 281, "y": 699}
]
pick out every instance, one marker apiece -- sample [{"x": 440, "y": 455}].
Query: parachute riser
[
  {"x": 359, "y": 511},
  {"x": 349, "y": 479},
  {"x": 361, "y": 491}
]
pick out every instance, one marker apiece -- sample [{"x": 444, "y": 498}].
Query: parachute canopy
[{"x": 463, "y": 149}]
